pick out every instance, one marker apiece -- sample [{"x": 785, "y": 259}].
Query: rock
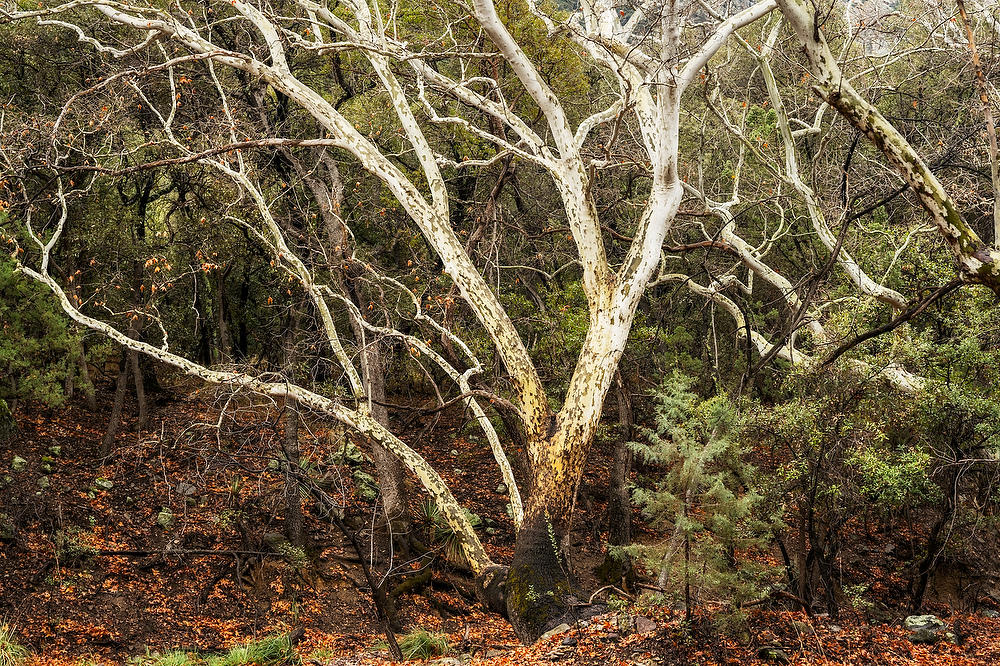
[
  {"x": 918, "y": 622},
  {"x": 924, "y": 636},
  {"x": 46, "y": 468},
  {"x": 103, "y": 484},
  {"x": 643, "y": 625},
  {"x": 834, "y": 629},
  {"x": 366, "y": 485},
  {"x": 490, "y": 654},
  {"x": 924, "y": 628},
  {"x": 43, "y": 482},
  {"x": 55, "y": 450},
  {"x": 185, "y": 489},
  {"x": 569, "y": 640},
  {"x": 165, "y": 518},
  {"x": 502, "y": 489},
  {"x": 445, "y": 661},
  {"x": 348, "y": 454},
  {"x": 774, "y": 654},
  {"x": 273, "y": 539},
  {"x": 555, "y": 631},
  {"x": 990, "y": 613},
  {"x": 18, "y": 463},
  {"x": 454, "y": 452},
  {"x": 802, "y": 627}
]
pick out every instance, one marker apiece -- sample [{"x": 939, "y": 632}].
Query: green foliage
[
  {"x": 423, "y": 644},
  {"x": 171, "y": 658},
  {"x": 12, "y": 653},
  {"x": 265, "y": 652},
  {"x": 269, "y": 651},
  {"x": 441, "y": 532},
  {"x": 700, "y": 498},
  {"x": 71, "y": 544},
  {"x": 36, "y": 341}
]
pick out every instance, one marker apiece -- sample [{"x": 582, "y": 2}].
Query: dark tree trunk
[
  {"x": 538, "y": 582},
  {"x": 391, "y": 473},
  {"x": 290, "y": 444},
  {"x": 619, "y": 506},
  {"x": 140, "y": 391},
  {"x": 114, "y": 422},
  {"x": 87, "y": 384},
  {"x": 928, "y": 563},
  {"x": 294, "y": 529},
  {"x": 617, "y": 566}
]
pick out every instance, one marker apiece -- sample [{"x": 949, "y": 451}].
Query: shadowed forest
[{"x": 499, "y": 332}]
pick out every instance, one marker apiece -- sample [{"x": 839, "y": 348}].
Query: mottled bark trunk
[{"x": 538, "y": 582}]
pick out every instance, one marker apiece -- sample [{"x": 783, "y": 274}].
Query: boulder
[
  {"x": 775, "y": 654},
  {"x": 165, "y": 518},
  {"x": 185, "y": 489},
  {"x": 643, "y": 624},
  {"x": 924, "y": 628},
  {"x": 555, "y": 631}
]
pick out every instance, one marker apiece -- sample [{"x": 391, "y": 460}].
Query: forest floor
[{"x": 163, "y": 545}]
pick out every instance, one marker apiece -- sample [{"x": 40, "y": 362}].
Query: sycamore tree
[{"x": 462, "y": 88}]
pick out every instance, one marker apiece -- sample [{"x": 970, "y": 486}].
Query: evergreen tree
[{"x": 699, "y": 500}]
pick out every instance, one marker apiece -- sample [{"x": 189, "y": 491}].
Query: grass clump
[
  {"x": 12, "y": 653},
  {"x": 171, "y": 658},
  {"x": 268, "y": 651},
  {"x": 423, "y": 644}
]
